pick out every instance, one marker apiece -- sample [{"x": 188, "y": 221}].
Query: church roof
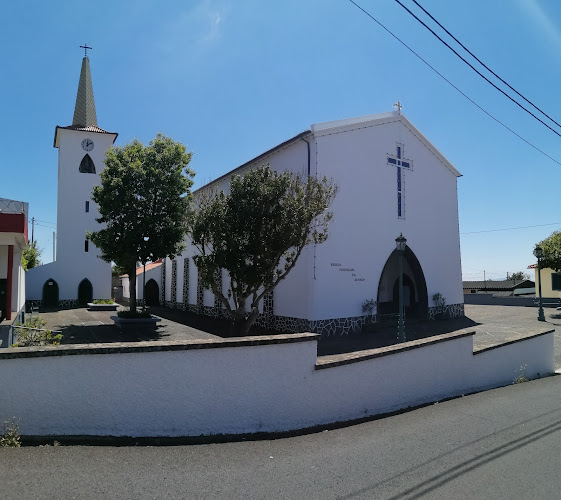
[
  {"x": 85, "y": 118},
  {"x": 84, "y": 111},
  {"x": 259, "y": 158},
  {"x": 327, "y": 128}
]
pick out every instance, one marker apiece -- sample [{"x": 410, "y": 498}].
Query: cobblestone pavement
[
  {"x": 499, "y": 324},
  {"x": 80, "y": 326}
]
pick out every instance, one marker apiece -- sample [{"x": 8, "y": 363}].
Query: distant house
[
  {"x": 551, "y": 282},
  {"x": 13, "y": 240},
  {"x": 153, "y": 284},
  {"x": 504, "y": 288}
]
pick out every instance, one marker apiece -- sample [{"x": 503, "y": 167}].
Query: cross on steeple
[
  {"x": 85, "y": 47},
  {"x": 398, "y": 161},
  {"x": 398, "y": 107}
]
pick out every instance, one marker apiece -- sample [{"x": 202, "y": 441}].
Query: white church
[
  {"x": 391, "y": 181},
  {"x": 77, "y": 275}
]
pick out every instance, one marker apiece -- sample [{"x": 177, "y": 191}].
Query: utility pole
[
  {"x": 54, "y": 236},
  {"x": 484, "y": 279},
  {"x": 32, "y": 230}
]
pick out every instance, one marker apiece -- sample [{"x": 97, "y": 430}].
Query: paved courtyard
[{"x": 493, "y": 325}]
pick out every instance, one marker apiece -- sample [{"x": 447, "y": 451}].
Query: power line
[
  {"x": 483, "y": 64},
  {"x": 511, "y": 228},
  {"x": 479, "y": 72},
  {"x": 454, "y": 86}
]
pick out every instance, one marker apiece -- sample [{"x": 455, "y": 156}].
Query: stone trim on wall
[
  {"x": 217, "y": 301},
  {"x": 173, "y": 298},
  {"x": 185, "y": 305},
  {"x": 449, "y": 311},
  {"x": 200, "y": 296},
  {"x": 163, "y": 287},
  {"x": 62, "y": 304}
]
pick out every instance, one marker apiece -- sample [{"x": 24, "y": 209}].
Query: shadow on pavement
[{"x": 384, "y": 334}]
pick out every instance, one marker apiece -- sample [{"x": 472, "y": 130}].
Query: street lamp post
[
  {"x": 538, "y": 253},
  {"x": 400, "y": 242}
]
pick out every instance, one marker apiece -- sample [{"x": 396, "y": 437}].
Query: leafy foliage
[
  {"x": 10, "y": 438},
  {"x": 144, "y": 201},
  {"x": 103, "y": 301},
  {"x": 35, "y": 334},
  {"x": 257, "y": 233},
  {"x": 440, "y": 304},
  {"x": 30, "y": 256},
  {"x": 518, "y": 276},
  {"x": 551, "y": 247}
]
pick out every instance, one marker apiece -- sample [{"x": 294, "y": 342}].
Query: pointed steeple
[{"x": 84, "y": 111}]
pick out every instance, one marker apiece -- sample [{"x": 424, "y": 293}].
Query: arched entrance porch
[{"x": 415, "y": 297}]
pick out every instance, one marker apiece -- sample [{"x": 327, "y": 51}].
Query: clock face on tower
[{"x": 87, "y": 144}]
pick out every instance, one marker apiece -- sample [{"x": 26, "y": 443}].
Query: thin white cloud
[
  {"x": 195, "y": 29},
  {"x": 542, "y": 19}
]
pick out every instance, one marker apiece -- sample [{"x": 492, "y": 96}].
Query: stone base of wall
[
  {"x": 62, "y": 304},
  {"x": 449, "y": 311}
]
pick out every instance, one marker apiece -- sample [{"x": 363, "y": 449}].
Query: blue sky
[{"x": 232, "y": 79}]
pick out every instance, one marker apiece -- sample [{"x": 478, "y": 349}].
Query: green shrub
[
  {"x": 35, "y": 334},
  {"x": 103, "y": 301}
]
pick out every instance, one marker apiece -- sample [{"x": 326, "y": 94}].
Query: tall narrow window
[
  {"x": 86, "y": 245},
  {"x": 87, "y": 206},
  {"x": 555, "y": 281}
]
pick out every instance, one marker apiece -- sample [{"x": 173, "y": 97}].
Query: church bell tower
[{"x": 81, "y": 154}]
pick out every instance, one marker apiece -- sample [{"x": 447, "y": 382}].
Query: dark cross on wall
[
  {"x": 398, "y": 161},
  {"x": 85, "y": 47}
]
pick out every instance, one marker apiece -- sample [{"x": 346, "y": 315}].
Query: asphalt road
[{"x": 497, "y": 444}]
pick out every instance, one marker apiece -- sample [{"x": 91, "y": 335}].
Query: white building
[
  {"x": 13, "y": 241},
  {"x": 77, "y": 275},
  {"x": 392, "y": 181}
]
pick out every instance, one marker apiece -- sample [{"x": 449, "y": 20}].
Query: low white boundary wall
[{"x": 236, "y": 386}]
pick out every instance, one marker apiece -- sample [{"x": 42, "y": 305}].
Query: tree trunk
[
  {"x": 248, "y": 323},
  {"x": 132, "y": 287},
  {"x": 238, "y": 320}
]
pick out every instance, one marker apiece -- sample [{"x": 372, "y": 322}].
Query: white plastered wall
[
  {"x": 365, "y": 226},
  {"x": 205, "y": 391}
]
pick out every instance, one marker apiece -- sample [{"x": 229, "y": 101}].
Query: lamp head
[{"x": 400, "y": 243}]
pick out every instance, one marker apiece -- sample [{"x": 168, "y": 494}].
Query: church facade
[
  {"x": 77, "y": 276},
  {"x": 391, "y": 181}
]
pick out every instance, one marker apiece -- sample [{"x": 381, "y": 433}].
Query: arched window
[{"x": 87, "y": 165}]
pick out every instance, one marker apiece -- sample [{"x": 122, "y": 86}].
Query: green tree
[
  {"x": 518, "y": 276},
  {"x": 551, "y": 247},
  {"x": 144, "y": 202},
  {"x": 256, "y": 233},
  {"x": 30, "y": 256}
]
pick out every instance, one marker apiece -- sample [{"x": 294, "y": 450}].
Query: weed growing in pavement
[
  {"x": 521, "y": 375},
  {"x": 10, "y": 438}
]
